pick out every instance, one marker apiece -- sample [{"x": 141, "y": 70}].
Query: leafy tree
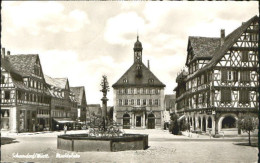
[{"x": 248, "y": 124}]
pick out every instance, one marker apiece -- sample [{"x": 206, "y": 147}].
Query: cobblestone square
[{"x": 163, "y": 147}]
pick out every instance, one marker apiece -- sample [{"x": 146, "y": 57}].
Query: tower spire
[{"x": 137, "y": 35}]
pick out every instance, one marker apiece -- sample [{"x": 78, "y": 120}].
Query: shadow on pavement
[
  {"x": 5, "y": 140},
  {"x": 253, "y": 144}
]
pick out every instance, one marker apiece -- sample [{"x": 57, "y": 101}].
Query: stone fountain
[{"x": 104, "y": 134}]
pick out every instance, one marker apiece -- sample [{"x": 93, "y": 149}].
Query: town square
[{"x": 129, "y": 81}]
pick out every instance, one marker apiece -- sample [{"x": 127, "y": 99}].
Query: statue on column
[{"x": 105, "y": 88}]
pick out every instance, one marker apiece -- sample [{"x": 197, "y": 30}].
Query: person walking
[{"x": 65, "y": 129}]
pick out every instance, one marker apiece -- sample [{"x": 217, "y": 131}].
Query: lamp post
[{"x": 105, "y": 88}]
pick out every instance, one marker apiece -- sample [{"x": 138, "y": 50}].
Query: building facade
[
  {"x": 139, "y": 96},
  {"x": 25, "y": 100},
  {"x": 80, "y": 97},
  {"x": 63, "y": 103},
  {"x": 169, "y": 103},
  {"x": 221, "y": 83}
]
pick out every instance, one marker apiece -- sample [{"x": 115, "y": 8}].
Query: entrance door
[
  {"x": 151, "y": 121},
  {"x": 138, "y": 121}
]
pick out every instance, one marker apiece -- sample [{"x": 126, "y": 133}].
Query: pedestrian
[{"x": 65, "y": 129}]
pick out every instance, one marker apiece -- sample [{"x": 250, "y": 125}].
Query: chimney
[
  {"x": 148, "y": 64},
  {"x": 8, "y": 52},
  {"x": 222, "y": 36},
  {"x": 3, "y": 53}
]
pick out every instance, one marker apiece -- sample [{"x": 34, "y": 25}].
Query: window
[
  {"x": 2, "y": 79},
  {"x": 150, "y": 81},
  {"x": 150, "y": 101},
  {"x": 132, "y": 102},
  {"x": 244, "y": 76},
  {"x": 7, "y": 95},
  {"x": 202, "y": 79},
  {"x": 144, "y": 101},
  {"x": 138, "y": 101},
  {"x": 205, "y": 78},
  {"x": 198, "y": 80},
  {"x": 225, "y": 95},
  {"x": 156, "y": 91},
  {"x": 244, "y": 96},
  {"x": 150, "y": 91},
  {"x": 223, "y": 75},
  {"x": 235, "y": 76},
  {"x": 138, "y": 90},
  {"x": 156, "y": 102},
  {"x": 120, "y": 102},
  {"x": 19, "y": 94},
  {"x": 229, "y": 75},
  {"x": 126, "y": 102},
  {"x": 125, "y": 80},
  {"x": 254, "y": 37},
  {"x": 132, "y": 90},
  {"x": 142, "y": 90},
  {"x": 125, "y": 91},
  {"x": 244, "y": 57}
]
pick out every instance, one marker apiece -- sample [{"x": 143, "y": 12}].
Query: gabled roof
[
  {"x": 203, "y": 47},
  {"x": 79, "y": 94},
  {"x": 16, "y": 74},
  {"x": 228, "y": 43},
  {"x": 56, "y": 82},
  {"x": 132, "y": 80},
  {"x": 5, "y": 63},
  {"x": 24, "y": 64}
]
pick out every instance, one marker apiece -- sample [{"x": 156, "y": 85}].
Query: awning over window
[{"x": 64, "y": 120}]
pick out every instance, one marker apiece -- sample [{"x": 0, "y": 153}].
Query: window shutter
[{"x": 224, "y": 75}]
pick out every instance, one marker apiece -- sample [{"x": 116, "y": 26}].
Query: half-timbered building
[
  {"x": 139, "y": 96},
  {"x": 63, "y": 103},
  {"x": 25, "y": 100},
  {"x": 221, "y": 83}
]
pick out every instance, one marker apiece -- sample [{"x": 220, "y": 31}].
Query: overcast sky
[{"x": 84, "y": 40}]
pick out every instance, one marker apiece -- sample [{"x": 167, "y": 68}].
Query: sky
[{"x": 85, "y": 40}]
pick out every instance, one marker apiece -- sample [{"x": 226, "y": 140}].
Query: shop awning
[{"x": 64, "y": 120}]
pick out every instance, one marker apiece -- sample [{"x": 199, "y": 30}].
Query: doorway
[
  {"x": 138, "y": 121},
  {"x": 151, "y": 121}
]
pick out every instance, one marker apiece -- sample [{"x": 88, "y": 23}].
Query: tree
[{"x": 248, "y": 124}]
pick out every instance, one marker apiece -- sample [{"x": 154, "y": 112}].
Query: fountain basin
[{"x": 83, "y": 143}]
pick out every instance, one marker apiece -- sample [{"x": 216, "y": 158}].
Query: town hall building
[{"x": 139, "y": 96}]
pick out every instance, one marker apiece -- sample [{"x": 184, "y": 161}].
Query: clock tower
[{"x": 138, "y": 51}]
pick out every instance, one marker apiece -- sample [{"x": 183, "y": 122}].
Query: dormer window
[
  {"x": 125, "y": 80},
  {"x": 150, "y": 81}
]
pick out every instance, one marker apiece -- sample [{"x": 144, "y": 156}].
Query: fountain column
[{"x": 105, "y": 89}]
